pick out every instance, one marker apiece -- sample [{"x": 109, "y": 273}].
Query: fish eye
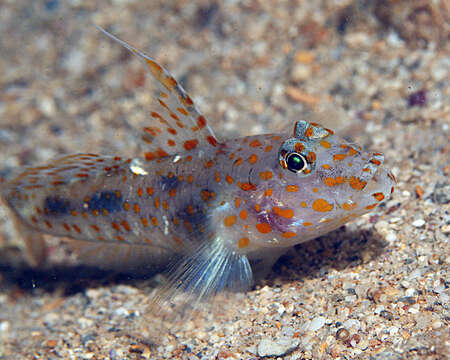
[{"x": 295, "y": 162}]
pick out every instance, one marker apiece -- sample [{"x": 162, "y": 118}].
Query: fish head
[{"x": 320, "y": 182}]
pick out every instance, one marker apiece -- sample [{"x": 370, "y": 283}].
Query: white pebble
[
  {"x": 410, "y": 292},
  {"x": 121, "y": 312},
  {"x": 391, "y": 237},
  {"x": 316, "y": 323},
  {"x": 418, "y": 223},
  {"x": 437, "y": 324},
  {"x": 269, "y": 347},
  {"x": 281, "y": 309},
  {"x": 352, "y": 324},
  {"x": 4, "y": 326}
]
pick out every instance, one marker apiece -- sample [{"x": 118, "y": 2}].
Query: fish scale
[{"x": 224, "y": 209}]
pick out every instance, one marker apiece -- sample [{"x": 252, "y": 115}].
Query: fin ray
[
  {"x": 177, "y": 126},
  {"x": 194, "y": 279}
]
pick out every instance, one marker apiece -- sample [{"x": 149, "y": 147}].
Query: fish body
[{"x": 219, "y": 206}]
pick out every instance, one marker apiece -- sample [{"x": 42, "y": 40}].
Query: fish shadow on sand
[{"x": 338, "y": 250}]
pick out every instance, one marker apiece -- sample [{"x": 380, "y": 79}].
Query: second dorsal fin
[{"x": 176, "y": 125}]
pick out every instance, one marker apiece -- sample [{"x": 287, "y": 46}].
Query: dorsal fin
[{"x": 176, "y": 126}]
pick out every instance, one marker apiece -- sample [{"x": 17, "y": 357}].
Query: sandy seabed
[{"x": 378, "y": 72}]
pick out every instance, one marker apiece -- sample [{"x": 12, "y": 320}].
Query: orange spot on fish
[
  {"x": 379, "y": 196},
  {"x": 288, "y": 234},
  {"x": 299, "y": 146},
  {"x": 247, "y": 186},
  {"x": 182, "y": 111},
  {"x": 243, "y": 214},
  {"x": 263, "y": 228},
  {"x": 268, "y": 192},
  {"x": 357, "y": 183},
  {"x": 286, "y": 213},
  {"x": 375, "y": 161},
  {"x": 265, "y": 175},
  {"x": 190, "y": 144},
  {"x": 207, "y": 195},
  {"x": 125, "y": 225},
  {"x": 209, "y": 164},
  {"x": 243, "y": 242},
  {"x": 230, "y": 220},
  {"x": 255, "y": 143},
  {"x": 329, "y": 181},
  {"x": 190, "y": 210},
  {"x": 349, "y": 207},
  {"x": 201, "y": 122},
  {"x": 338, "y": 157},
  {"x": 291, "y": 188},
  {"x": 321, "y": 205},
  {"x": 309, "y": 132},
  {"x": 253, "y": 159},
  {"x": 325, "y": 144},
  {"x": 211, "y": 140}
]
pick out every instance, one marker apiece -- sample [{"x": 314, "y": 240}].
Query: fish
[{"x": 212, "y": 212}]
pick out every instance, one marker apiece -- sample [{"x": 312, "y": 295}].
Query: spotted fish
[{"x": 214, "y": 209}]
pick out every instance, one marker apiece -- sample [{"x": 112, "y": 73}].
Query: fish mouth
[
  {"x": 379, "y": 179},
  {"x": 373, "y": 165}
]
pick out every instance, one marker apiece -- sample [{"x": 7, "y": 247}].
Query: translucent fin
[
  {"x": 141, "y": 259},
  {"x": 31, "y": 241},
  {"x": 177, "y": 126},
  {"x": 195, "y": 279}
]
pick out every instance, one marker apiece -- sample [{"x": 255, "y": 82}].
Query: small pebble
[
  {"x": 386, "y": 314},
  {"x": 4, "y": 326},
  {"x": 316, "y": 323},
  {"x": 391, "y": 237},
  {"x": 418, "y": 223},
  {"x": 281, "y": 347},
  {"x": 342, "y": 334},
  {"x": 352, "y": 324},
  {"x": 437, "y": 324}
]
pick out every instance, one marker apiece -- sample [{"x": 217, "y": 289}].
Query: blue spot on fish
[
  {"x": 105, "y": 200},
  {"x": 56, "y": 205}
]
